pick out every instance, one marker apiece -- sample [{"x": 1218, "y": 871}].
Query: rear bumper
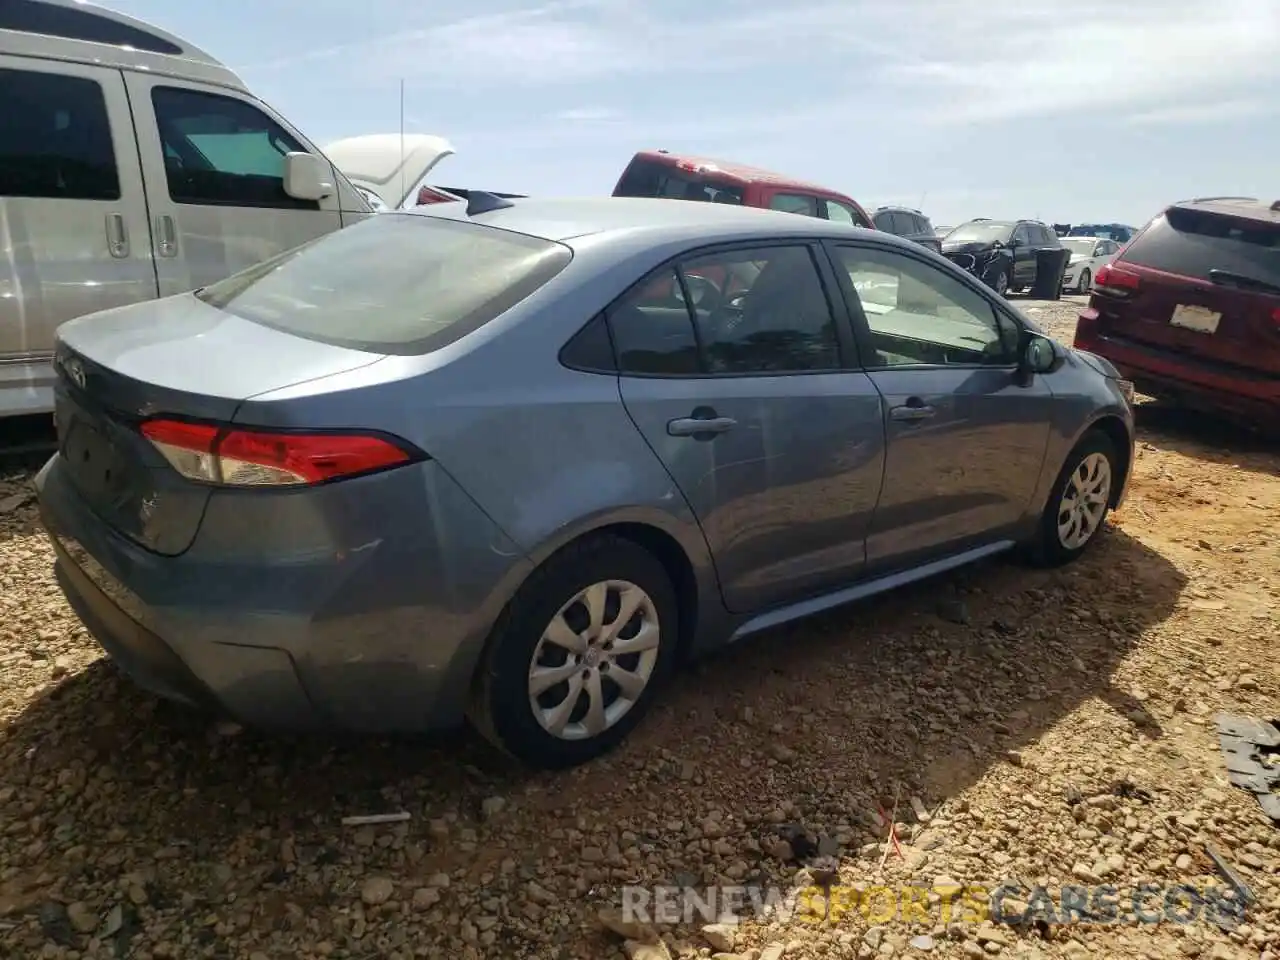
[
  {"x": 372, "y": 634},
  {"x": 1206, "y": 386}
]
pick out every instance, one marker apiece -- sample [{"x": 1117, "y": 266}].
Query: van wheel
[
  {"x": 1078, "y": 503},
  {"x": 575, "y": 660}
]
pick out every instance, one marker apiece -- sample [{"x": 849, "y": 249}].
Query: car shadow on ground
[
  {"x": 918, "y": 692},
  {"x": 1205, "y": 436}
]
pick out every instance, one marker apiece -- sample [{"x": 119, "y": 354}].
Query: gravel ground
[{"x": 1054, "y": 727}]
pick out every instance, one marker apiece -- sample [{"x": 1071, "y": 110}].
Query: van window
[
  {"x": 55, "y": 138},
  {"x": 1191, "y": 243},
  {"x": 220, "y": 151},
  {"x": 645, "y": 178},
  {"x": 399, "y": 283},
  {"x": 30, "y": 16}
]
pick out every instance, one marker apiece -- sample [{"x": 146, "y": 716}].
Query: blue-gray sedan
[{"x": 515, "y": 460}]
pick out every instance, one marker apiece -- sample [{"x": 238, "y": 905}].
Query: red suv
[
  {"x": 657, "y": 173},
  {"x": 1189, "y": 310}
]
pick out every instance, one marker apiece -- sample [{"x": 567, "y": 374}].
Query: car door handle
[
  {"x": 696, "y": 426},
  {"x": 117, "y": 236},
  {"x": 911, "y": 412},
  {"x": 166, "y": 236}
]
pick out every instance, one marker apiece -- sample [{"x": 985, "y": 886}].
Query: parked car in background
[
  {"x": 250, "y": 511},
  {"x": 388, "y": 168},
  {"x": 1119, "y": 232},
  {"x": 909, "y": 224},
  {"x": 1002, "y": 253},
  {"x": 941, "y": 232},
  {"x": 134, "y": 165},
  {"x": 1088, "y": 256},
  {"x": 1190, "y": 308},
  {"x": 657, "y": 173}
]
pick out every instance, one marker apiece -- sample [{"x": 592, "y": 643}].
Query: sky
[{"x": 1075, "y": 112}]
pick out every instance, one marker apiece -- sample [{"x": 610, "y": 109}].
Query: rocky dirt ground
[{"x": 1053, "y": 728}]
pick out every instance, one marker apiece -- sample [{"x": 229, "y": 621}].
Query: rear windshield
[
  {"x": 395, "y": 283},
  {"x": 645, "y": 178},
  {"x": 1191, "y": 243}
]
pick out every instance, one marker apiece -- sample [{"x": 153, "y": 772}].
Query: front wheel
[
  {"x": 574, "y": 661},
  {"x": 1085, "y": 279},
  {"x": 1000, "y": 283},
  {"x": 1078, "y": 503}
]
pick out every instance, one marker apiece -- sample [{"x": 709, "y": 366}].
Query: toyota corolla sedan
[{"x": 515, "y": 460}]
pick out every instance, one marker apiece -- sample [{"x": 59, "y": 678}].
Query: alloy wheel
[
  {"x": 594, "y": 660},
  {"x": 1084, "y": 501}
]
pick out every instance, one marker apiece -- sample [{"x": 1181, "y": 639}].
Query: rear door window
[
  {"x": 405, "y": 284},
  {"x": 794, "y": 203},
  {"x": 1191, "y": 243}
]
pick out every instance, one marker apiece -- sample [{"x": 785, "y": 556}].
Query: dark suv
[
  {"x": 1002, "y": 253},
  {"x": 908, "y": 223},
  {"x": 1190, "y": 309}
]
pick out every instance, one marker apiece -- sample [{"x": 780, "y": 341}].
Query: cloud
[
  {"x": 1201, "y": 113},
  {"x": 587, "y": 115},
  {"x": 1038, "y": 58}
]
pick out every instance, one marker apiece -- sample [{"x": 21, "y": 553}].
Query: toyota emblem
[{"x": 75, "y": 371}]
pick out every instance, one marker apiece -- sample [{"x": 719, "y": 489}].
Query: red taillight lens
[
  {"x": 1086, "y": 328},
  {"x": 1275, "y": 317},
  {"x": 256, "y": 458},
  {"x": 1116, "y": 278}
]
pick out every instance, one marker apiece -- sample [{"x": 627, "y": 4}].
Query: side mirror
[
  {"x": 307, "y": 177},
  {"x": 1040, "y": 355}
]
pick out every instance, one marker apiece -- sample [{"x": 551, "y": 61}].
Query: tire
[
  {"x": 1083, "y": 283},
  {"x": 502, "y": 702},
  {"x": 1000, "y": 283},
  {"x": 1052, "y": 545}
]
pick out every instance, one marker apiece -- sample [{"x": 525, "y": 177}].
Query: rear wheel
[
  {"x": 1078, "y": 503},
  {"x": 576, "y": 658}
]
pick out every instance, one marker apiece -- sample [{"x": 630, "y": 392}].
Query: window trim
[
  {"x": 847, "y": 346},
  {"x": 862, "y": 329},
  {"x": 285, "y": 203}
]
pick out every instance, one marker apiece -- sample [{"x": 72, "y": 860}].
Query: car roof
[
  {"x": 737, "y": 171},
  {"x": 894, "y": 208},
  {"x": 1249, "y": 207},
  {"x": 562, "y": 219}
]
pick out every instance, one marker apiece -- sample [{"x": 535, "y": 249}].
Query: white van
[{"x": 133, "y": 165}]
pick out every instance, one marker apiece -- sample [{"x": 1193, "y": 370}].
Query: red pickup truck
[{"x": 657, "y": 173}]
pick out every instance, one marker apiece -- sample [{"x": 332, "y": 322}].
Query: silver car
[{"x": 514, "y": 460}]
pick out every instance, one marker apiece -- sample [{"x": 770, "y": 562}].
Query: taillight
[
  {"x": 234, "y": 457},
  {"x": 1086, "y": 327},
  {"x": 1116, "y": 278},
  {"x": 1275, "y": 317}
]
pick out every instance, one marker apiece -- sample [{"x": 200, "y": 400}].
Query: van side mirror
[{"x": 307, "y": 177}]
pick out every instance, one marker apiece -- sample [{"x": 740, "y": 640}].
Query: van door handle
[
  {"x": 117, "y": 236},
  {"x": 912, "y": 411},
  {"x": 700, "y": 427},
  {"x": 166, "y": 236}
]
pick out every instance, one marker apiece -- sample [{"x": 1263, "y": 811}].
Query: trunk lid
[
  {"x": 177, "y": 356},
  {"x": 387, "y": 164},
  {"x": 1208, "y": 287}
]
